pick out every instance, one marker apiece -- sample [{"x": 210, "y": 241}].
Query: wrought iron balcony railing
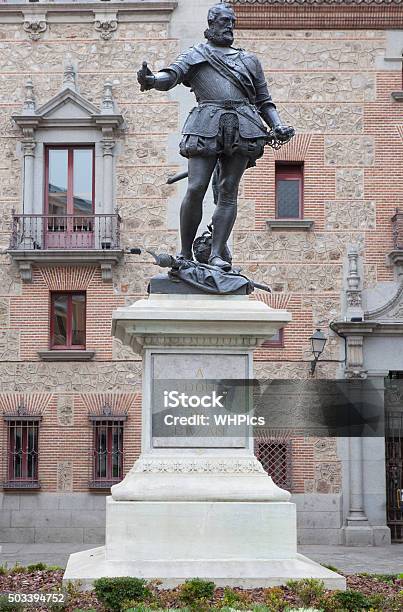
[{"x": 65, "y": 232}]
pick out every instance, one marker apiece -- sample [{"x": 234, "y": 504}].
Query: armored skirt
[{"x": 228, "y": 141}]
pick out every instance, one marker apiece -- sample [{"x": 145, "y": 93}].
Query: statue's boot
[{"x": 219, "y": 262}]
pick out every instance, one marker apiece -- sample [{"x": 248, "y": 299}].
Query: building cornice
[
  {"x": 368, "y": 328},
  {"x": 137, "y": 10},
  {"x": 318, "y": 14},
  {"x": 317, "y": 2}
]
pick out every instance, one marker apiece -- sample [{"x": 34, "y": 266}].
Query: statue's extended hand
[
  {"x": 145, "y": 77},
  {"x": 284, "y": 133}
]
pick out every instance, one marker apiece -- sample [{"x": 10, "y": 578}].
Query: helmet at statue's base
[{"x": 202, "y": 248}]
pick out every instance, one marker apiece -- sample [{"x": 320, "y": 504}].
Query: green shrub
[
  {"x": 196, "y": 592},
  {"x": 37, "y": 567},
  {"x": 378, "y": 601},
  {"x": 54, "y": 568},
  {"x": 235, "y": 599},
  {"x": 18, "y": 569},
  {"x": 112, "y": 592},
  {"x": 390, "y": 578},
  {"x": 394, "y": 603},
  {"x": 8, "y": 606},
  {"x": 308, "y": 590},
  {"x": 3, "y": 570},
  {"x": 274, "y": 598},
  {"x": 349, "y": 600}
]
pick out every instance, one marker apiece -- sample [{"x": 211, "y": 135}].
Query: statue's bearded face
[{"x": 221, "y": 30}]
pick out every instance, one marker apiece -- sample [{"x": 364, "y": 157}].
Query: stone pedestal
[{"x": 198, "y": 507}]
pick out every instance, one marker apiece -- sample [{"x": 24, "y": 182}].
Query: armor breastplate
[{"x": 208, "y": 84}]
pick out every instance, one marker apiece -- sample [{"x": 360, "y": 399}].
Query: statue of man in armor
[{"x": 224, "y": 130}]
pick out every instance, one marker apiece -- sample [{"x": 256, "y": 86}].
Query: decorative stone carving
[
  {"x": 121, "y": 352},
  {"x": 143, "y": 150},
  {"x": 69, "y": 74},
  {"x": 91, "y": 56},
  {"x": 145, "y": 181},
  {"x": 325, "y": 449},
  {"x": 152, "y": 118},
  {"x": 165, "y": 241},
  {"x": 35, "y": 25},
  {"x": 65, "y": 476},
  {"x": 355, "y": 357},
  {"x": 327, "y": 477},
  {"x": 10, "y": 183},
  {"x": 4, "y": 310},
  {"x": 204, "y": 341},
  {"x": 29, "y": 99},
  {"x": 10, "y": 283},
  {"x": 106, "y": 24},
  {"x": 246, "y": 214},
  {"x": 360, "y": 215},
  {"x": 133, "y": 278},
  {"x": 284, "y": 370},
  {"x": 296, "y": 247},
  {"x": 349, "y": 183},
  {"x": 65, "y": 410},
  {"x": 95, "y": 377},
  {"x": 323, "y": 118},
  {"x": 353, "y": 285},
  {"x": 322, "y": 87},
  {"x": 9, "y": 345},
  {"x": 297, "y": 278},
  {"x": 349, "y": 150},
  {"x": 138, "y": 215},
  {"x": 108, "y": 104},
  {"x": 306, "y": 55},
  {"x": 323, "y": 310},
  {"x": 198, "y": 466},
  {"x": 392, "y": 309}
]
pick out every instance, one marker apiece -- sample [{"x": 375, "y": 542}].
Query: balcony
[{"x": 56, "y": 239}]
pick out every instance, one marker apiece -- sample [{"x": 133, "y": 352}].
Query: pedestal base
[{"x": 246, "y": 544}]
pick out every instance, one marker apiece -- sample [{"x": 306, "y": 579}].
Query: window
[
  {"x": 107, "y": 451},
  {"x": 276, "y": 341},
  {"x": 68, "y": 320},
  {"x": 289, "y": 191},
  {"x": 22, "y": 447},
  {"x": 274, "y": 455},
  {"x": 69, "y": 196}
]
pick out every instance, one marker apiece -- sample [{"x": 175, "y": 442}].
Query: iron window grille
[
  {"x": 275, "y": 457},
  {"x": 289, "y": 190},
  {"x": 22, "y": 452},
  {"x": 107, "y": 450}
]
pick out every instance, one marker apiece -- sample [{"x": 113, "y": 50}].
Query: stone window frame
[
  {"x": 24, "y": 422},
  {"x": 69, "y": 119}
]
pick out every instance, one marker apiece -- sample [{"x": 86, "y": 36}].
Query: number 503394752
[{"x": 36, "y": 597}]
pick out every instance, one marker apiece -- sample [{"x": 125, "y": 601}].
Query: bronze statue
[{"x": 224, "y": 132}]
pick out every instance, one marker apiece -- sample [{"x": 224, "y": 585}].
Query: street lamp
[{"x": 318, "y": 341}]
